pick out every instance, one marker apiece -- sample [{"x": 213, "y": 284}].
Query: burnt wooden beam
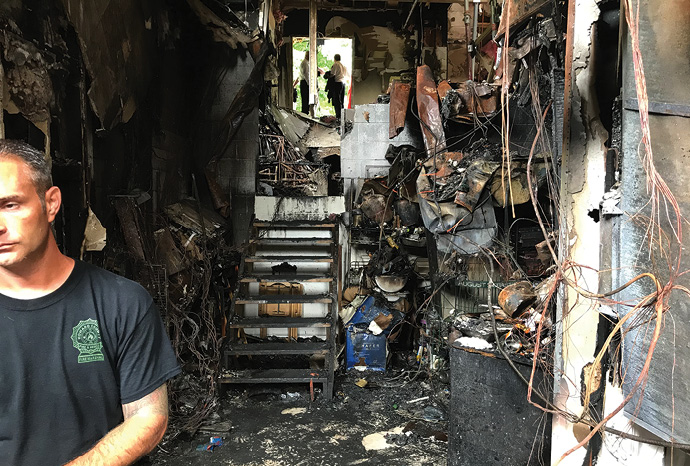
[{"x": 313, "y": 58}]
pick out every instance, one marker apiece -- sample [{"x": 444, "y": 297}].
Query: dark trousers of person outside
[
  {"x": 304, "y": 92},
  {"x": 338, "y": 98}
]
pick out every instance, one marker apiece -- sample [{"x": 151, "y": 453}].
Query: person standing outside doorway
[
  {"x": 304, "y": 82},
  {"x": 339, "y": 74}
]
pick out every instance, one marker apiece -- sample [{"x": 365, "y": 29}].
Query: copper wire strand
[{"x": 657, "y": 298}]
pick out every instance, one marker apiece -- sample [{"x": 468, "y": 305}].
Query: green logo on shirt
[{"x": 87, "y": 339}]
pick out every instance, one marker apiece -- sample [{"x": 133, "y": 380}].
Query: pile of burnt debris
[
  {"x": 376, "y": 416},
  {"x": 456, "y": 242},
  {"x": 452, "y": 247},
  {"x": 299, "y": 156},
  {"x": 188, "y": 265}
]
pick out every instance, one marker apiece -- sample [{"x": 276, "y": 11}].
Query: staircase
[{"x": 294, "y": 303}]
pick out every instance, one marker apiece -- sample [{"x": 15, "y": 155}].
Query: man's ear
[{"x": 53, "y": 202}]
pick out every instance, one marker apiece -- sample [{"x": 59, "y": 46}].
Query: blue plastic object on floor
[{"x": 213, "y": 442}]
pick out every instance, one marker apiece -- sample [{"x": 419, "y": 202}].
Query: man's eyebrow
[{"x": 9, "y": 198}]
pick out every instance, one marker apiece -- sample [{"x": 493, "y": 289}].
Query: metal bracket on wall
[{"x": 660, "y": 108}]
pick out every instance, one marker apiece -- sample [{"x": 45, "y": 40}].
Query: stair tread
[
  {"x": 277, "y": 348},
  {"x": 294, "y": 224},
  {"x": 288, "y": 259},
  {"x": 274, "y": 375},
  {"x": 286, "y": 278},
  {"x": 283, "y": 298},
  {"x": 280, "y": 322},
  {"x": 293, "y": 241}
]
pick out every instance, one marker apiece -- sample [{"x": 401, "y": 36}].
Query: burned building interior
[{"x": 480, "y": 262}]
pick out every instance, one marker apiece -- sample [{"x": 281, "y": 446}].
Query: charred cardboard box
[
  {"x": 364, "y": 350},
  {"x": 366, "y": 343}
]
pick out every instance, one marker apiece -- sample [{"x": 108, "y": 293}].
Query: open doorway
[{"x": 326, "y": 49}]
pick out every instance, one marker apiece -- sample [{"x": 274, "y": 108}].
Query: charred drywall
[
  {"x": 236, "y": 167},
  {"x": 582, "y": 187},
  {"x": 118, "y": 44},
  {"x": 27, "y": 77}
]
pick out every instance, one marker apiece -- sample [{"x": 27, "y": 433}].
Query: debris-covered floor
[
  {"x": 483, "y": 210},
  {"x": 393, "y": 419}
]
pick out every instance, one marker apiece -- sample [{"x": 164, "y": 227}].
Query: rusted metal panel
[
  {"x": 663, "y": 33},
  {"x": 471, "y": 99},
  {"x": 443, "y": 88},
  {"x": 429, "y": 112},
  {"x": 400, "y": 97},
  {"x": 484, "y": 99},
  {"x": 520, "y": 11}
]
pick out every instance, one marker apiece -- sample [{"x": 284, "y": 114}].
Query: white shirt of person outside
[
  {"x": 339, "y": 72},
  {"x": 304, "y": 68}
]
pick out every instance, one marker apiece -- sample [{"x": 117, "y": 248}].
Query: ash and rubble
[
  {"x": 385, "y": 420},
  {"x": 298, "y": 154},
  {"x": 454, "y": 215},
  {"x": 187, "y": 266},
  {"x": 450, "y": 218}
]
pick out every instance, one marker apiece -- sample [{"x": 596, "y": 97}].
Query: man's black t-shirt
[{"x": 69, "y": 360}]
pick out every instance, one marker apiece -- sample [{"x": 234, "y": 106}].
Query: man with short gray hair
[{"x": 83, "y": 353}]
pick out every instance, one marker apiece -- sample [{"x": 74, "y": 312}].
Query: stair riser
[
  {"x": 286, "y": 301},
  {"x": 276, "y": 279},
  {"x": 239, "y": 380}
]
